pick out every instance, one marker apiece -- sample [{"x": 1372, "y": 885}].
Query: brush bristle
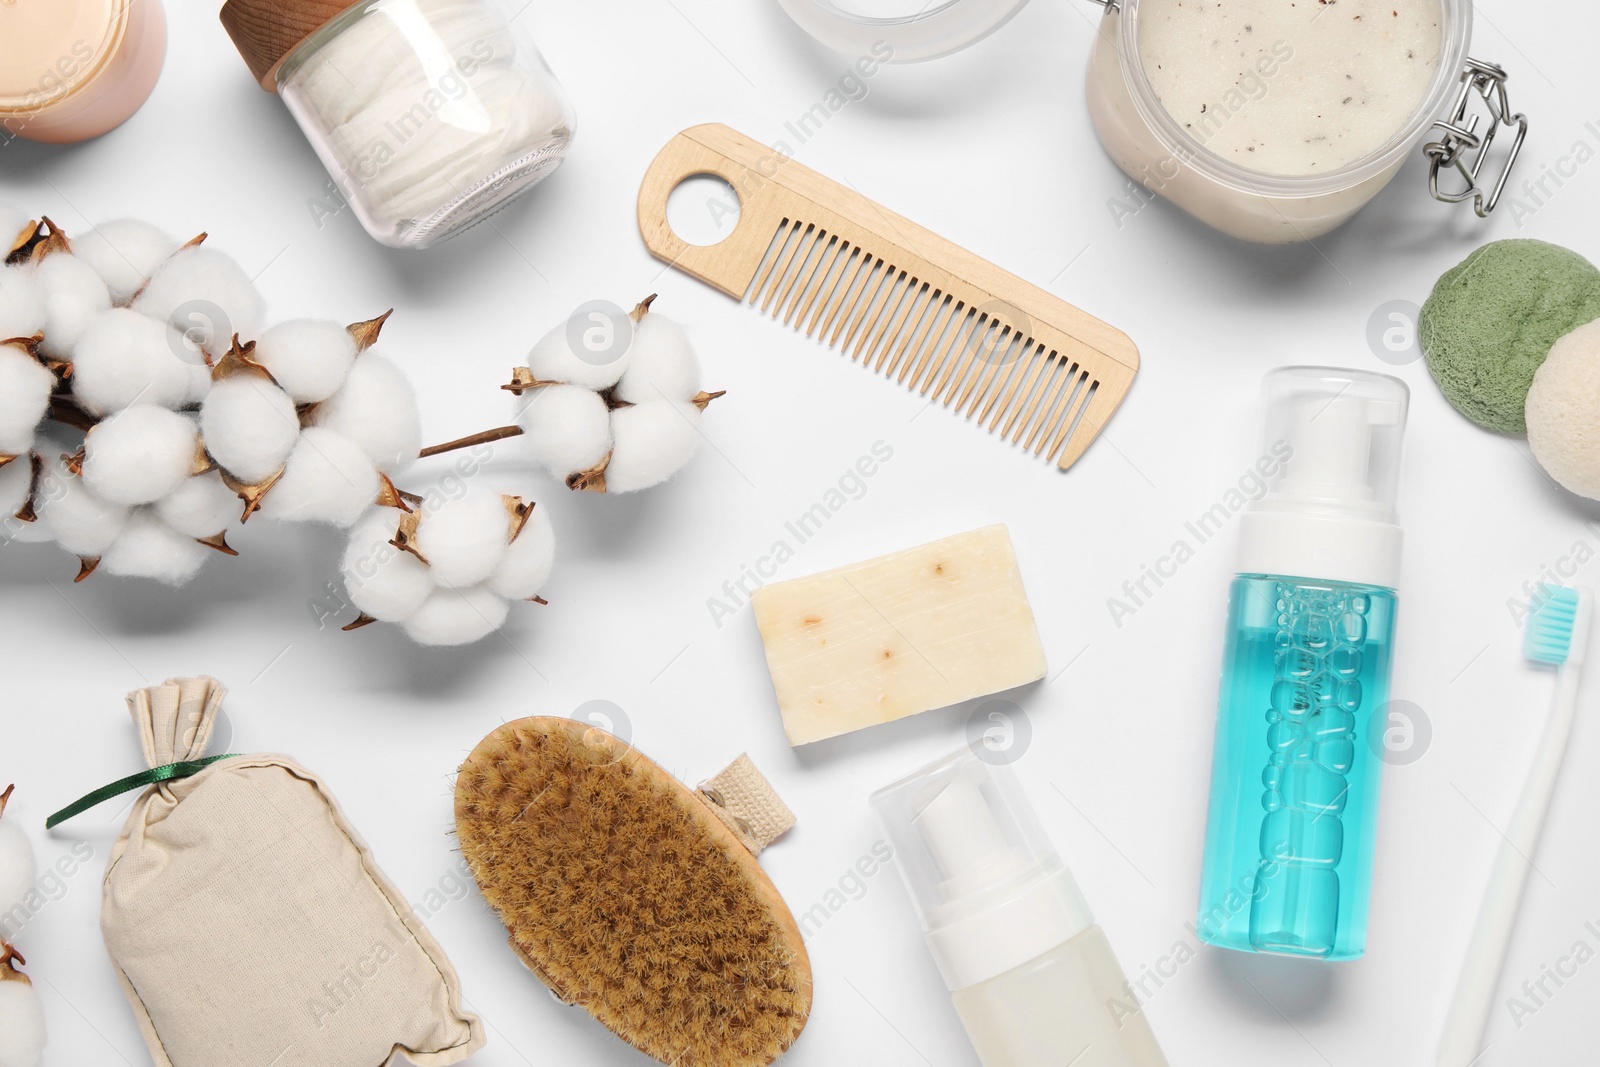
[
  {"x": 629, "y": 898},
  {"x": 1549, "y": 634}
]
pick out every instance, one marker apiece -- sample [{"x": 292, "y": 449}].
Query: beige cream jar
[{"x": 71, "y": 70}]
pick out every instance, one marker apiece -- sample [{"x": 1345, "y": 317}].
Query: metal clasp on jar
[{"x": 1460, "y": 138}]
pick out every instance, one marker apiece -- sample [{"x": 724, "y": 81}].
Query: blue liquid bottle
[{"x": 1305, "y": 676}]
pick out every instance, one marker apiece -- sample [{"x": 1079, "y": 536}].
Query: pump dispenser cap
[
  {"x": 1330, "y": 460},
  {"x": 990, "y": 890}
]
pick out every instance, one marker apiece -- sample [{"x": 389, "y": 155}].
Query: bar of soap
[{"x": 901, "y": 634}]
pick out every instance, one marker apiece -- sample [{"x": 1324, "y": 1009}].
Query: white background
[{"x": 993, "y": 149}]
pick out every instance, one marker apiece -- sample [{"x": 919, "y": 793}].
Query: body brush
[{"x": 627, "y": 894}]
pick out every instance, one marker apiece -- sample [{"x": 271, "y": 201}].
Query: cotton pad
[{"x": 1492, "y": 319}]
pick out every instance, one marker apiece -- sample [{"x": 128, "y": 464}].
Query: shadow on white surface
[{"x": 1273, "y": 989}]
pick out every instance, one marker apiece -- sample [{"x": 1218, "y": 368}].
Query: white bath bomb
[
  {"x": 149, "y": 548},
  {"x": 18, "y": 871},
  {"x": 1563, "y": 411},
  {"x": 21, "y": 302},
  {"x": 654, "y": 441},
  {"x": 201, "y": 507},
  {"x": 73, "y": 294},
  {"x": 310, "y": 358},
  {"x": 207, "y": 297},
  {"x": 566, "y": 428},
  {"x": 457, "y": 616},
  {"x": 377, "y": 409},
  {"x": 125, "y": 253},
  {"x": 326, "y": 479},
  {"x": 79, "y": 519},
  {"x": 382, "y": 581},
  {"x": 661, "y": 365},
  {"x": 250, "y": 426},
  {"x": 25, "y": 387},
  {"x": 16, "y": 479},
  {"x": 139, "y": 455},
  {"x": 124, "y": 358},
  {"x": 600, "y": 357},
  {"x": 525, "y": 567},
  {"x": 464, "y": 539}
]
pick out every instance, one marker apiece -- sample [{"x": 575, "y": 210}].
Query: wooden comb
[{"x": 897, "y": 297}]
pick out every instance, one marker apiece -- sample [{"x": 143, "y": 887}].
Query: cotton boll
[
  {"x": 16, "y": 479},
  {"x": 12, "y": 223},
  {"x": 309, "y": 358},
  {"x": 377, "y": 409},
  {"x": 457, "y": 616},
  {"x": 22, "y": 1036},
  {"x": 125, "y": 358},
  {"x": 25, "y": 387},
  {"x": 73, "y": 295},
  {"x": 464, "y": 540},
  {"x": 201, "y": 507},
  {"x": 79, "y": 520},
  {"x": 653, "y": 442},
  {"x": 139, "y": 455},
  {"x": 21, "y": 302},
  {"x": 250, "y": 426},
  {"x": 382, "y": 581},
  {"x": 149, "y": 548},
  {"x": 204, "y": 290},
  {"x": 526, "y": 565},
  {"x": 567, "y": 428},
  {"x": 18, "y": 871},
  {"x": 661, "y": 364},
  {"x": 327, "y": 479},
  {"x": 553, "y": 358},
  {"x": 124, "y": 252}
]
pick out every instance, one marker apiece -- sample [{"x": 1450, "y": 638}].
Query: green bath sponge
[{"x": 1491, "y": 320}]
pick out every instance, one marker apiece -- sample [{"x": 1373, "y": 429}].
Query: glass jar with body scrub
[
  {"x": 1277, "y": 122},
  {"x": 430, "y": 115}
]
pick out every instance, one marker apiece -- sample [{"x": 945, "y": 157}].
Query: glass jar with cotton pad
[
  {"x": 900, "y": 31},
  {"x": 1277, "y": 122},
  {"x": 430, "y": 115}
]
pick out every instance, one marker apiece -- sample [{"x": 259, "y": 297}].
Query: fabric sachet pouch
[{"x": 248, "y": 923}]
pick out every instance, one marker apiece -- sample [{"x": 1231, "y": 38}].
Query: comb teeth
[{"x": 980, "y": 361}]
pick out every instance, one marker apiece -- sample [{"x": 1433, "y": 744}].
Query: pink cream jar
[{"x": 71, "y": 70}]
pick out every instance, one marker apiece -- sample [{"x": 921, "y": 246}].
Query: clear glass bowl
[
  {"x": 430, "y": 115},
  {"x": 1152, "y": 148},
  {"x": 920, "y": 31}
]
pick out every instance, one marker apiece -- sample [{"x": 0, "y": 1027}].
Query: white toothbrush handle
[{"x": 1469, "y": 1011}]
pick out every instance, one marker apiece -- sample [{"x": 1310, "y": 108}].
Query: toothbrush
[{"x": 1558, "y": 634}]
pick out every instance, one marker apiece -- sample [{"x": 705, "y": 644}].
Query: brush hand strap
[
  {"x": 747, "y": 804},
  {"x": 171, "y": 772}
]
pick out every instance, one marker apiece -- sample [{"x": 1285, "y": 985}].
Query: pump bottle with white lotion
[
  {"x": 1305, "y": 677},
  {"x": 1031, "y": 975}
]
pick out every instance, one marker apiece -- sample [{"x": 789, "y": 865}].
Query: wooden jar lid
[{"x": 265, "y": 31}]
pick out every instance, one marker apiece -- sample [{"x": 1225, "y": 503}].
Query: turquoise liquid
[{"x": 1294, "y": 780}]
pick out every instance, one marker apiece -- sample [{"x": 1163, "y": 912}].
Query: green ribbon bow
[{"x": 171, "y": 772}]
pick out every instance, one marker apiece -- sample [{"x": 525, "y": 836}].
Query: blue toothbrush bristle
[{"x": 1549, "y": 636}]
